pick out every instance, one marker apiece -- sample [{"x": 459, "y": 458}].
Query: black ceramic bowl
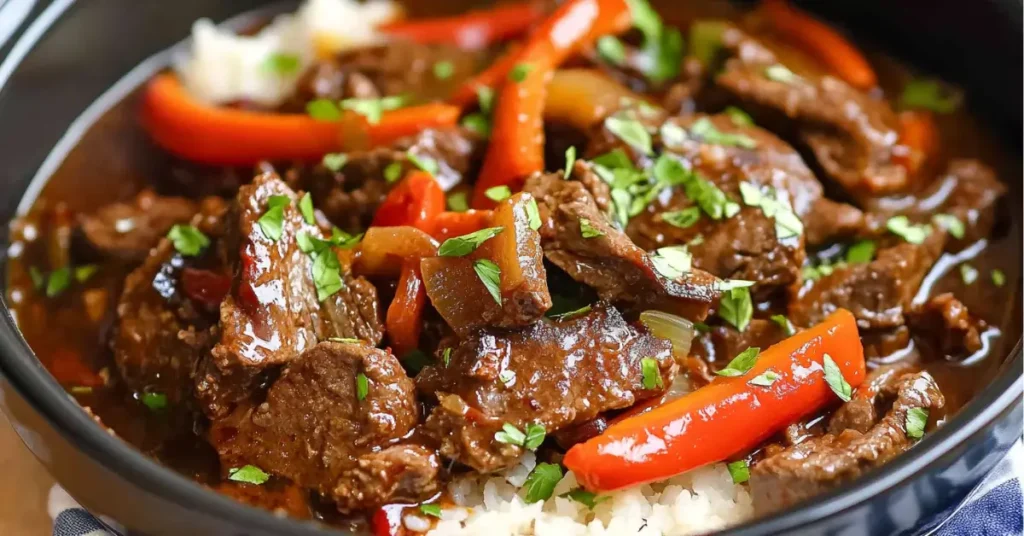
[{"x": 59, "y": 57}]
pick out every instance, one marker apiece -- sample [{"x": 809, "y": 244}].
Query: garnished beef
[
  {"x": 128, "y": 230},
  {"x": 554, "y": 374}
]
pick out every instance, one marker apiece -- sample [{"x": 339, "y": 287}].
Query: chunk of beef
[
  {"x": 160, "y": 335},
  {"x": 968, "y": 190},
  {"x": 273, "y": 313},
  {"x": 863, "y": 411},
  {"x": 610, "y": 262},
  {"x": 851, "y": 134},
  {"x": 878, "y": 293},
  {"x": 945, "y": 326},
  {"x": 317, "y": 429},
  {"x": 819, "y": 464},
  {"x": 723, "y": 343},
  {"x": 350, "y": 196},
  {"x": 555, "y": 374},
  {"x": 128, "y": 230}
]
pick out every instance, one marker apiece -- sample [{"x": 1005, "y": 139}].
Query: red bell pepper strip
[
  {"x": 473, "y": 30},
  {"x": 69, "y": 370},
  {"x": 416, "y": 201},
  {"x": 404, "y": 320},
  {"x": 727, "y": 417},
  {"x": 820, "y": 41},
  {"x": 517, "y": 136},
  {"x": 228, "y": 136},
  {"x": 451, "y": 224}
]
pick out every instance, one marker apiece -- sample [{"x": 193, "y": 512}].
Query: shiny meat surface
[
  {"x": 129, "y": 230},
  {"x": 945, "y": 324},
  {"x": 317, "y": 429},
  {"x": 555, "y": 374}
]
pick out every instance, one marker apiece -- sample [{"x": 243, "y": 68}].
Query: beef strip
[
  {"x": 819, "y": 464},
  {"x": 863, "y": 411},
  {"x": 350, "y": 196},
  {"x": 272, "y": 313},
  {"x": 851, "y": 134},
  {"x": 128, "y": 230},
  {"x": 968, "y": 190},
  {"x": 611, "y": 263},
  {"x": 878, "y": 293},
  {"x": 723, "y": 343},
  {"x": 315, "y": 429},
  {"x": 160, "y": 335},
  {"x": 557, "y": 374},
  {"x": 944, "y": 325}
]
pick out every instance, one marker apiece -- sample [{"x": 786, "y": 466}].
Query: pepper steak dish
[{"x": 583, "y": 266}]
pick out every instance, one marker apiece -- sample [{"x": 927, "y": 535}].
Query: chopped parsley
[
  {"x": 913, "y": 233},
  {"x": 458, "y": 201},
  {"x": 393, "y": 172},
  {"x": 584, "y": 497},
  {"x": 998, "y": 278},
  {"x": 835, "y": 380},
  {"x": 433, "y": 510},
  {"x": 154, "y": 401},
  {"x": 85, "y": 272},
  {"x": 951, "y": 224},
  {"x": 611, "y": 50},
  {"x": 736, "y": 308},
  {"x": 460, "y": 246},
  {"x": 507, "y": 377},
  {"x": 59, "y": 281},
  {"x": 281, "y": 64},
  {"x": 446, "y": 356},
  {"x": 272, "y": 221},
  {"x": 651, "y": 373},
  {"x": 672, "y": 135},
  {"x": 824, "y": 269},
  {"x": 498, "y": 193},
  {"x": 741, "y": 364},
  {"x": 930, "y": 95},
  {"x": 706, "y": 41},
  {"x": 785, "y": 324},
  {"x": 323, "y": 110},
  {"x": 519, "y": 72},
  {"x": 968, "y": 273},
  {"x": 443, "y": 70},
  {"x": 861, "y": 252},
  {"x": 570, "y": 159},
  {"x": 187, "y": 240},
  {"x": 779, "y": 73},
  {"x": 725, "y": 285},
  {"x": 490, "y": 275},
  {"x": 249, "y": 474},
  {"x": 710, "y": 198},
  {"x": 672, "y": 261},
  {"x": 630, "y": 131},
  {"x": 485, "y": 98},
  {"x": 334, "y": 161},
  {"x": 739, "y": 471},
  {"x": 306, "y": 208},
  {"x": 917, "y": 419},
  {"x": 373, "y": 109},
  {"x": 541, "y": 482},
  {"x": 787, "y": 224},
  {"x": 765, "y": 379},
  {"x": 587, "y": 229},
  {"x": 362, "y": 386},
  {"x": 533, "y": 214},
  {"x": 535, "y": 435},
  {"x": 682, "y": 218},
  {"x": 662, "y": 47},
  {"x": 479, "y": 123},
  {"x": 510, "y": 435},
  {"x": 705, "y": 130},
  {"x": 738, "y": 116},
  {"x": 423, "y": 162},
  {"x": 326, "y": 274},
  {"x": 570, "y": 314}
]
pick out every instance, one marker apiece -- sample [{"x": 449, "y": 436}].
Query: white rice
[
  {"x": 224, "y": 67},
  {"x": 700, "y": 501}
]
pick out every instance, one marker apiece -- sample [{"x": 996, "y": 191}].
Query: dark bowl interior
[{"x": 71, "y": 53}]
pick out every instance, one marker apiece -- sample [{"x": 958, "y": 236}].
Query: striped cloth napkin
[{"x": 994, "y": 508}]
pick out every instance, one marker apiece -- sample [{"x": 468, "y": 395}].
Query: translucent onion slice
[{"x": 679, "y": 331}]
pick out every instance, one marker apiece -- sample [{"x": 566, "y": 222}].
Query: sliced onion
[{"x": 678, "y": 330}]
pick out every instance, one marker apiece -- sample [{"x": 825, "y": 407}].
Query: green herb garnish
[
  {"x": 533, "y": 214},
  {"x": 154, "y": 401},
  {"x": 779, "y": 73},
  {"x": 458, "y": 201},
  {"x": 913, "y": 233},
  {"x": 249, "y": 474},
  {"x": 672, "y": 261},
  {"x": 570, "y": 159},
  {"x": 704, "y": 129},
  {"x": 586, "y": 498},
  {"x": 738, "y": 116},
  {"x": 785, "y": 324},
  {"x": 630, "y": 131},
  {"x": 861, "y": 252},
  {"x": 393, "y": 172},
  {"x": 651, "y": 373},
  {"x": 272, "y": 221},
  {"x": 736, "y": 308},
  {"x": 306, "y": 208},
  {"x": 587, "y": 229},
  {"x": 85, "y": 272},
  {"x": 741, "y": 364},
  {"x": 998, "y": 278},
  {"x": 510, "y": 435},
  {"x": 443, "y": 70},
  {"x": 479, "y": 123},
  {"x": 423, "y": 162},
  {"x": 323, "y": 110},
  {"x": 917, "y": 419},
  {"x": 187, "y": 240},
  {"x": 682, "y": 218},
  {"x": 765, "y": 379},
  {"x": 281, "y": 64},
  {"x": 373, "y": 109},
  {"x": 541, "y": 482},
  {"x": 519, "y": 72},
  {"x": 490, "y": 275},
  {"x": 433, "y": 510},
  {"x": 535, "y": 434},
  {"x": 334, "y": 161},
  {"x": 570, "y": 314},
  {"x": 362, "y": 386},
  {"x": 326, "y": 274},
  {"x": 498, "y": 193},
  {"x": 460, "y": 246},
  {"x": 739, "y": 471},
  {"x": 611, "y": 50},
  {"x": 968, "y": 273},
  {"x": 951, "y": 224},
  {"x": 930, "y": 95},
  {"x": 835, "y": 380}
]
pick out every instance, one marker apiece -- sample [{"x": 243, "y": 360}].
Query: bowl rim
[{"x": 40, "y": 390}]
